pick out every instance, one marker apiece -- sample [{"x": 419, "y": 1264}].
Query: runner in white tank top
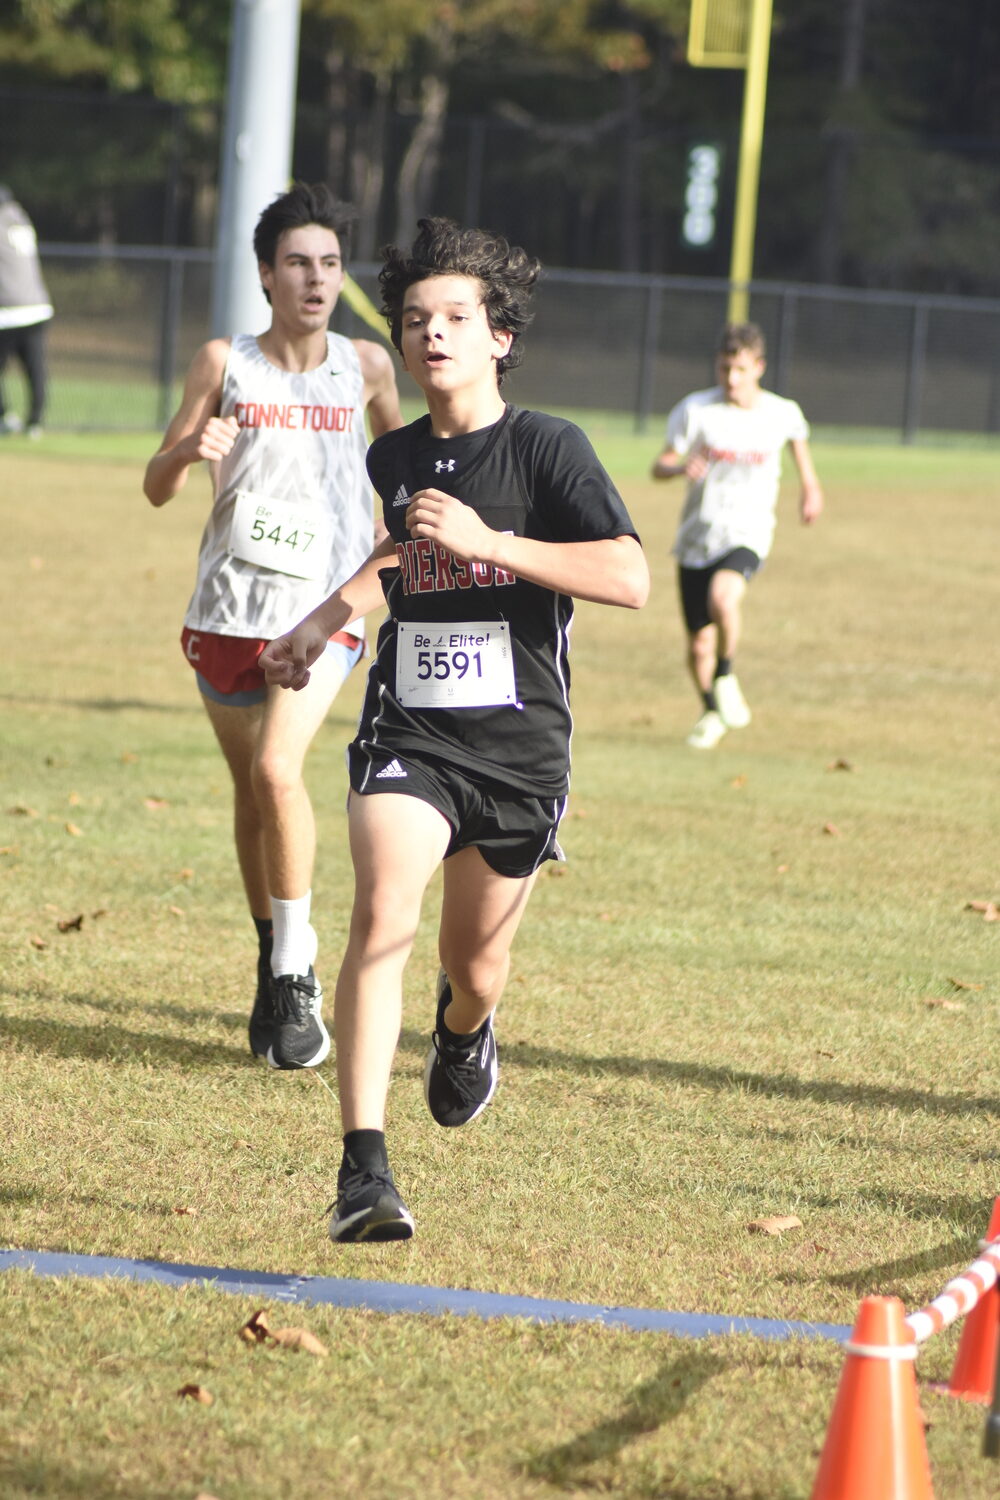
[
  {"x": 293, "y": 505},
  {"x": 280, "y": 418}
]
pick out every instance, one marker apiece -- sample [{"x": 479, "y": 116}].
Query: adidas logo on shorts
[
  {"x": 392, "y": 772},
  {"x": 402, "y": 498}
]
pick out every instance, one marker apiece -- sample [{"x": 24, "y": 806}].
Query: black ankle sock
[
  {"x": 708, "y": 698},
  {"x": 366, "y": 1148},
  {"x": 724, "y": 666},
  {"x": 265, "y": 937}
]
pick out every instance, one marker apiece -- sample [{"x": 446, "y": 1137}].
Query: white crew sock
[{"x": 295, "y": 941}]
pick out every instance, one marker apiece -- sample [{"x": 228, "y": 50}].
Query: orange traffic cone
[
  {"x": 976, "y": 1361},
  {"x": 875, "y": 1448}
]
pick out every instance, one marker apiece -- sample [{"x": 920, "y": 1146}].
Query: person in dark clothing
[{"x": 498, "y": 518}]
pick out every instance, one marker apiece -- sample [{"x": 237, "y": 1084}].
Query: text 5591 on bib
[{"x": 464, "y": 665}]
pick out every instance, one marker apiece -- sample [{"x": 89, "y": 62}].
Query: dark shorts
[
  {"x": 515, "y": 833},
  {"x": 227, "y": 670},
  {"x": 694, "y": 584}
]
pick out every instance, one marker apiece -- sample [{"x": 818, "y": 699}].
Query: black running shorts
[
  {"x": 694, "y": 583},
  {"x": 514, "y": 833}
]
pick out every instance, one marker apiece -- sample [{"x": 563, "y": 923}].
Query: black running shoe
[
  {"x": 300, "y": 1040},
  {"x": 262, "y": 1016},
  {"x": 460, "y": 1081},
  {"x": 368, "y": 1207}
]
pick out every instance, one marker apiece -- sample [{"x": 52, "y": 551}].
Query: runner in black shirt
[{"x": 497, "y": 520}]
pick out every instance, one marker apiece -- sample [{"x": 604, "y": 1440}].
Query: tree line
[{"x": 566, "y": 123}]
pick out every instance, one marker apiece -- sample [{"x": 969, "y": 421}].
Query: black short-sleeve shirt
[{"x": 529, "y": 474}]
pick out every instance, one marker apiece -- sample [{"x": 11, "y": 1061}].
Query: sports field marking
[{"x": 396, "y": 1297}]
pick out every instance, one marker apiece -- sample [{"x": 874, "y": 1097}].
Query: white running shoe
[
  {"x": 708, "y": 731},
  {"x": 734, "y": 711}
]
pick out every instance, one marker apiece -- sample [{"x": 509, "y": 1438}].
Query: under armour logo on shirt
[{"x": 444, "y": 465}]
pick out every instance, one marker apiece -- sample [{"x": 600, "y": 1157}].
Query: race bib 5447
[{"x": 286, "y": 536}]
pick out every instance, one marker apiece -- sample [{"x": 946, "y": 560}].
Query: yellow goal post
[
  {"x": 719, "y": 33},
  {"x": 737, "y": 34}
]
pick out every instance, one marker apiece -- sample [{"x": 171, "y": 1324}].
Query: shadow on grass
[
  {"x": 888, "y": 1276},
  {"x": 115, "y": 1044},
  {"x": 97, "y": 705},
  {"x": 182, "y": 1013},
  {"x": 12, "y": 1195},
  {"x": 649, "y": 1407},
  {"x": 33, "y": 1474},
  {"x": 769, "y": 1085}
]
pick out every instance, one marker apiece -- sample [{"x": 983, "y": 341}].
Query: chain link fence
[{"x": 128, "y": 321}]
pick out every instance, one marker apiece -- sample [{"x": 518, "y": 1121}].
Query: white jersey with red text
[
  {"x": 293, "y": 513},
  {"x": 733, "y": 506}
]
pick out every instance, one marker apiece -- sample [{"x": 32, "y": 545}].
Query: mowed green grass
[{"x": 718, "y": 1011}]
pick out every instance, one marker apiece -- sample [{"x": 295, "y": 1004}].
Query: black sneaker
[
  {"x": 299, "y": 1040},
  {"x": 262, "y": 1016},
  {"x": 368, "y": 1207},
  {"x": 460, "y": 1081}
]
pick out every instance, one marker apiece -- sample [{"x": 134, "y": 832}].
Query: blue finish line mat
[{"x": 398, "y": 1297}]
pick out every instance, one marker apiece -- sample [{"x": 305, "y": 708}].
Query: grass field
[{"x": 722, "y": 1007}]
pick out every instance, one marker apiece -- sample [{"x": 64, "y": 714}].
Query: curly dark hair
[
  {"x": 505, "y": 272},
  {"x": 304, "y": 203}
]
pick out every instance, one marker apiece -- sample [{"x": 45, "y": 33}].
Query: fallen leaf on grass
[
  {"x": 832, "y": 829},
  {"x": 782, "y": 869},
  {"x": 821, "y": 1053},
  {"x": 185, "y": 874},
  {"x": 74, "y": 831},
  {"x": 37, "y": 942},
  {"x": 738, "y": 782},
  {"x": 9, "y": 849},
  {"x": 776, "y": 1224},
  {"x": 102, "y": 911},
  {"x": 74, "y": 799},
  {"x": 300, "y": 1338},
  {"x": 965, "y": 984},
  {"x": 204, "y": 1495},
  {"x": 187, "y": 1213},
  {"x": 155, "y": 803},
  {"x": 194, "y": 1392},
  {"x": 71, "y": 924},
  {"x": 257, "y": 1330},
  {"x": 129, "y": 758},
  {"x": 840, "y": 764},
  {"x": 176, "y": 911},
  {"x": 20, "y": 811},
  {"x": 943, "y": 1003},
  {"x": 989, "y": 910}
]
